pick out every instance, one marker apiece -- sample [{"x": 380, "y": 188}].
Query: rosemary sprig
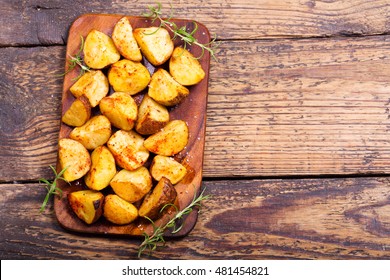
[
  {"x": 151, "y": 242},
  {"x": 77, "y": 60},
  {"x": 188, "y": 38},
  {"x": 51, "y": 187}
]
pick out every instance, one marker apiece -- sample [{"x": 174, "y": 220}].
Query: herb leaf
[
  {"x": 151, "y": 242},
  {"x": 51, "y": 187},
  {"x": 188, "y": 38},
  {"x": 77, "y": 60}
]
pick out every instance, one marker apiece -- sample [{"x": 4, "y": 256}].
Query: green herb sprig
[
  {"x": 188, "y": 38},
  {"x": 51, "y": 187},
  {"x": 151, "y": 242},
  {"x": 77, "y": 60}
]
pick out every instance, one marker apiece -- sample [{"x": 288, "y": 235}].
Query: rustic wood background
[{"x": 297, "y": 150}]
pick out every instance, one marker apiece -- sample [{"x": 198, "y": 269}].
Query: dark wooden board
[
  {"x": 37, "y": 22},
  {"x": 192, "y": 110},
  {"x": 320, "y": 218}
]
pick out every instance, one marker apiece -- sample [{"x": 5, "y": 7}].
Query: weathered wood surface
[
  {"x": 300, "y": 90},
  {"x": 38, "y": 22},
  {"x": 256, "y": 219},
  {"x": 306, "y": 107}
]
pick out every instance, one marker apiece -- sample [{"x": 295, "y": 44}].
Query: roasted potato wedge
[
  {"x": 124, "y": 40},
  {"x": 78, "y": 113},
  {"x": 128, "y": 76},
  {"x": 152, "y": 116},
  {"x": 87, "y": 205},
  {"x": 170, "y": 140},
  {"x": 103, "y": 169},
  {"x": 155, "y": 43},
  {"x": 165, "y": 90},
  {"x": 132, "y": 185},
  {"x": 119, "y": 211},
  {"x": 74, "y": 157},
  {"x": 121, "y": 109},
  {"x": 163, "y": 193},
  {"x": 93, "y": 133},
  {"x": 93, "y": 84},
  {"x": 185, "y": 68},
  {"x": 128, "y": 149},
  {"x": 99, "y": 50},
  {"x": 168, "y": 167}
]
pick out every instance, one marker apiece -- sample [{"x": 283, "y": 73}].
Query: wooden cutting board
[{"x": 192, "y": 110}]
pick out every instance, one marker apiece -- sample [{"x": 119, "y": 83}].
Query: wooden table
[{"x": 297, "y": 150}]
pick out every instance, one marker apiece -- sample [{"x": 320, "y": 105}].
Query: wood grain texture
[
  {"x": 29, "y": 111},
  {"x": 345, "y": 218},
  {"x": 38, "y": 22},
  {"x": 306, "y": 107}
]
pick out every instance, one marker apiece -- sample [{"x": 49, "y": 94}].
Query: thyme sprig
[
  {"x": 187, "y": 37},
  {"x": 77, "y": 60},
  {"x": 151, "y": 242},
  {"x": 51, "y": 187}
]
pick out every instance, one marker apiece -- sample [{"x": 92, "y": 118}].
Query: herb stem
[
  {"x": 51, "y": 187},
  {"x": 187, "y": 37},
  {"x": 151, "y": 242}
]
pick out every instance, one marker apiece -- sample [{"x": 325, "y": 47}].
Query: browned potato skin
[
  {"x": 170, "y": 140},
  {"x": 74, "y": 157},
  {"x": 128, "y": 76},
  {"x": 87, "y": 205},
  {"x": 99, "y": 50},
  {"x": 152, "y": 116},
  {"x": 185, "y": 68},
  {"x": 163, "y": 193},
  {"x": 132, "y": 185},
  {"x": 121, "y": 109},
  {"x": 155, "y": 43},
  {"x": 124, "y": 40},
  {"x": 78, "y": 113},
  {"x": 164, "y": 89},
  {"x": 128, "y": 149},
  {"x": 103, "y": 169},
  {"x": 119, "y": 211},
  {"x": 93, "y": 133},
  {"x": 93, "y": 85},
  {"x": 163, "y": 166}
]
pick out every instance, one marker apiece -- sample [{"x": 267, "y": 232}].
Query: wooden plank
[
  {"x": 30, "y": 98},
  {"x": 299, "y": 107},
  {"x": 306, "y": 107},
  {"x": 36, "y": 23},
  {"x": 260, "y": 219}
]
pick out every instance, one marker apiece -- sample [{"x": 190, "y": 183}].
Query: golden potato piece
[
  {"x": 87, "y": 205},
  {"x": 103, "y": 169},
  {"x": 170, "y": 140},
  {"x": 74, "y": 157},
  {"x": 78, "y": 113},
  {"x": 119, "y": 211},
  {"x": 152, "y": 116},
  {"x": 93, "y": 133},
  {"x": 185, "y": 68},
  {"x": 164, "y": 193},
  {"x": 124, "y": 40},
  {"x": 99, "y": 50},
  {"x": 155, "y": 43},
  {"x": 128, "y": 149},
  {"x": 163, "y": 166},
  {"x": 128, "y": 76},
  {"x": 132, "y": 185},
  {"x": 121, "y": 109},
  {"x": 165, "y": 90},
  {"x": 93, "y": 84}
]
